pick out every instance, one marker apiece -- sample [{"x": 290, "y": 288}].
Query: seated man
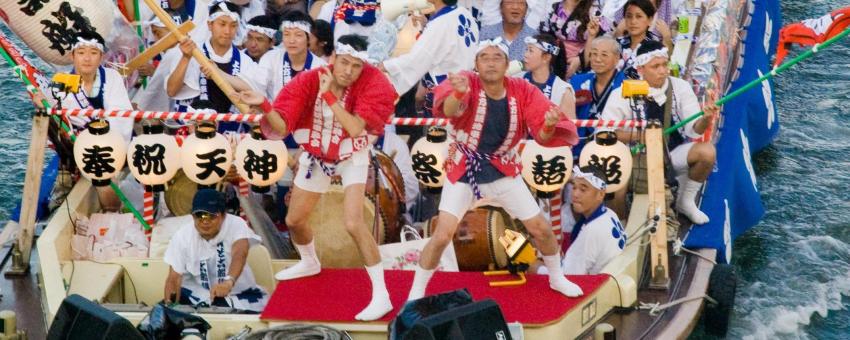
[
  {"x": 208, "y": 259},
  {"x": 670, "y": 101},
  {"x": 597, "y": 236}
]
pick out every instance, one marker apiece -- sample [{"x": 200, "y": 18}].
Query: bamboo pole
[
  {"x": 657, "y": 206},
  {"x": 199, "y": 56}
]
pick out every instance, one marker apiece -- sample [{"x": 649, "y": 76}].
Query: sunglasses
[{"x": 204, "y": 216}]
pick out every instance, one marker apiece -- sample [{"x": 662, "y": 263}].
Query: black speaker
[
  {"x": 482, "y": 320},
  {"x": 79, "y": 318}
]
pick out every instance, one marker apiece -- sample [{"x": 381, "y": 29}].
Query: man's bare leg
[
  {"x": 430, "y": 257},
  {"x": 301, "y": 205},
  {"x": 541, "y": 232},
  {"x": 367, "y": 246}
]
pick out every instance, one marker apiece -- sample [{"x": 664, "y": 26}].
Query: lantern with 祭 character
[
  {"x": 153, "y": 158},
  {"x": 428, "y": 157},
  {"x": 610, "y": 155},
  {"x": 206, "y": 156},
  {"x": 259, "y": 161},
  {"x": 546, "y": 169},
  {"x": 100, "y": 152}
]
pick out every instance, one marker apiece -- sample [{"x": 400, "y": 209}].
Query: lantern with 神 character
[
  {"x": 153, "y": 157},
  {"x": 610, "y": 155},
  {"x": 260, "y": 162},
  {"x": 206, "y": 156},
  {"x": 100, "y": 153},
  {"x": 546, "y": 169},
  {"x": 428, "y": 157}
]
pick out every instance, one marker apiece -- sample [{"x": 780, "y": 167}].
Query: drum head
[
  {"x": 334, "y": 246},
  {"x": 179, "y": 194}
]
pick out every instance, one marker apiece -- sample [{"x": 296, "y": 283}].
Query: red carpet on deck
[{"x": 337, "y": 295}]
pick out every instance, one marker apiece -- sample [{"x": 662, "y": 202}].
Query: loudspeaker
[
  {"x": 393, "y": 8},
  {"x": 480, "y": 320},
  {"x": 79, "y": 318}
]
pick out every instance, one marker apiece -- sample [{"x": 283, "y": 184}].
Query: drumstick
[{"x": 199, "y": 56}]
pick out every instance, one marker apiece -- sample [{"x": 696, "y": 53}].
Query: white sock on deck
[
  {"x": 380, "y": 304},
  {"x": 557, "y": 281},
  {"x": 686, "y": 202},
  {"x": 308, "y": 266},
  {"x": 420, "y": 282}
]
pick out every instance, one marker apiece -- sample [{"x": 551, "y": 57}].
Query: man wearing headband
[
  {"x": 207, "y": 258},
  {"x": 540, "y": 51},
  {"x": 512, "y": 29},
  {"x": 491, "y": 114},
  {"x": 670, "y": 101},
  {"x": 335, "y": 113},
  {"x": 282, "y": 64},
  {"x": 260, "y": 37},
  {"x": 598, "y": 236},
  {"x": 150, "y": 98},
  {"x": 188, "y": 84},
  {"x": 447, "y": 45}
]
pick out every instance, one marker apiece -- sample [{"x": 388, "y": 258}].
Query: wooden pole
[
  {"x": 29, "y": 201},
  {"x": 657, "y": 206},
  {"x": 163, "y": 44},
  {"x": 199, "y": 56}
]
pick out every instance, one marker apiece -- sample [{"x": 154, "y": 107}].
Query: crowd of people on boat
[{"x": 328, "y": 75}]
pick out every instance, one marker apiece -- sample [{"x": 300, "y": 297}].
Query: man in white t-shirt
[{"x": 207, "y": 259}]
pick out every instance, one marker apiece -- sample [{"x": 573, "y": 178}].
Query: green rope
[
  {"x": 805, "y": 55},
  {"x": 67, "y": 129}
]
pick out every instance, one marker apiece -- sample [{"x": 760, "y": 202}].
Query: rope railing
[{"x": 254, "y": 118}]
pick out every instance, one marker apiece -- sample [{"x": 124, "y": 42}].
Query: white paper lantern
[
  {"x": 153, "y": 157},
  {"x": 546, "y": 169},
  {"x": 428, "y": 157},
  {"x": 610, "y": 155},
  {"x": 206, "y": 156},
  {"x": 259, "y": 161},
  {"x": 100, "y": 152}
]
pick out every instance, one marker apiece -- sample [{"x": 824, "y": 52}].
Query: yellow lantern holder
[{"x": 520, "y": 255}]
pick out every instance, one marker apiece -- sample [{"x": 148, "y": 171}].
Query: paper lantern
[
  {"x": 100, "y": 152},
  {"x": 153, "y": 158},
  {"x": 429, "y": 156},
  {"x": 546, "y": 169},
  {"x": 610, "y": 155},
  {"x": 259, "y": 161},
  {"x": 206, "y": 156}
]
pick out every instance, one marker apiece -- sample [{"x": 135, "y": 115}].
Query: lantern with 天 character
[
  {"x": 259, "y": 161},
  {"x": 428, "y": 157},
  {"x": 206, "y": 156},
  {"x": 546, "y": 169},
  {"x": 153, "y": 158},
  {"x": 100, "y": 152},
  {"x": 610, "y": 155}
]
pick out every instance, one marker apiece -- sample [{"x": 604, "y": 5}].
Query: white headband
[
  {"x": 596, "y": 182},
  {"x": 301, "y": 25},
  {"x": 546, "y": 47},
  {"x": 497, "y": 42},
  {"x": 643, "y": 59},
  {"x": 342, "y": 49},
  {"x": 87, "y": 43},
  {"x": 223, "y": 12},
  {"x": 262, "y": 30}
]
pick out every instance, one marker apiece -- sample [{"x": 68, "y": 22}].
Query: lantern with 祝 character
[
  {"x": 259, "y": 161},
  {"x": 546, "y": 169},
  {"x": 610, "y": 155},
  {"x": 100, "y": 152},
  {"x": 206, "y": 156},
  {"x": 428, "y": 157},
  {"x": 153, "y": 158}
]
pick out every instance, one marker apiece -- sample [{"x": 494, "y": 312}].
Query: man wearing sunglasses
[{"x": 208, "y": 257}]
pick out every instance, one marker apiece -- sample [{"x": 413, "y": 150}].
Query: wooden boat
[{"x": 128, "y": 285}]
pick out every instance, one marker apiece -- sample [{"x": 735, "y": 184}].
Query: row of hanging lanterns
[
  {"x": 154, "y": 157},
  {"x": 545, "y": 169}
]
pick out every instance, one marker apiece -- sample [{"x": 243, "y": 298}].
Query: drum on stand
[
  {"x": 335, "y": 248},
  {"x": 476, "y": 240}
]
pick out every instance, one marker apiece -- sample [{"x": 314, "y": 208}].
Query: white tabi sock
[
  {"x": 380, "y": 304},
  {"x": 557, "y": 281},
  {"x": 686, "y": 202},
  {"x": 308, "y": 266},
  {"x": 420, "y": 282}
]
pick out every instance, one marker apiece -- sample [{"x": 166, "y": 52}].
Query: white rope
[
  {"x": 678, "y": 248},
  {"x": 656, "y": 308},
  {"x": 815, "y": 49}
]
